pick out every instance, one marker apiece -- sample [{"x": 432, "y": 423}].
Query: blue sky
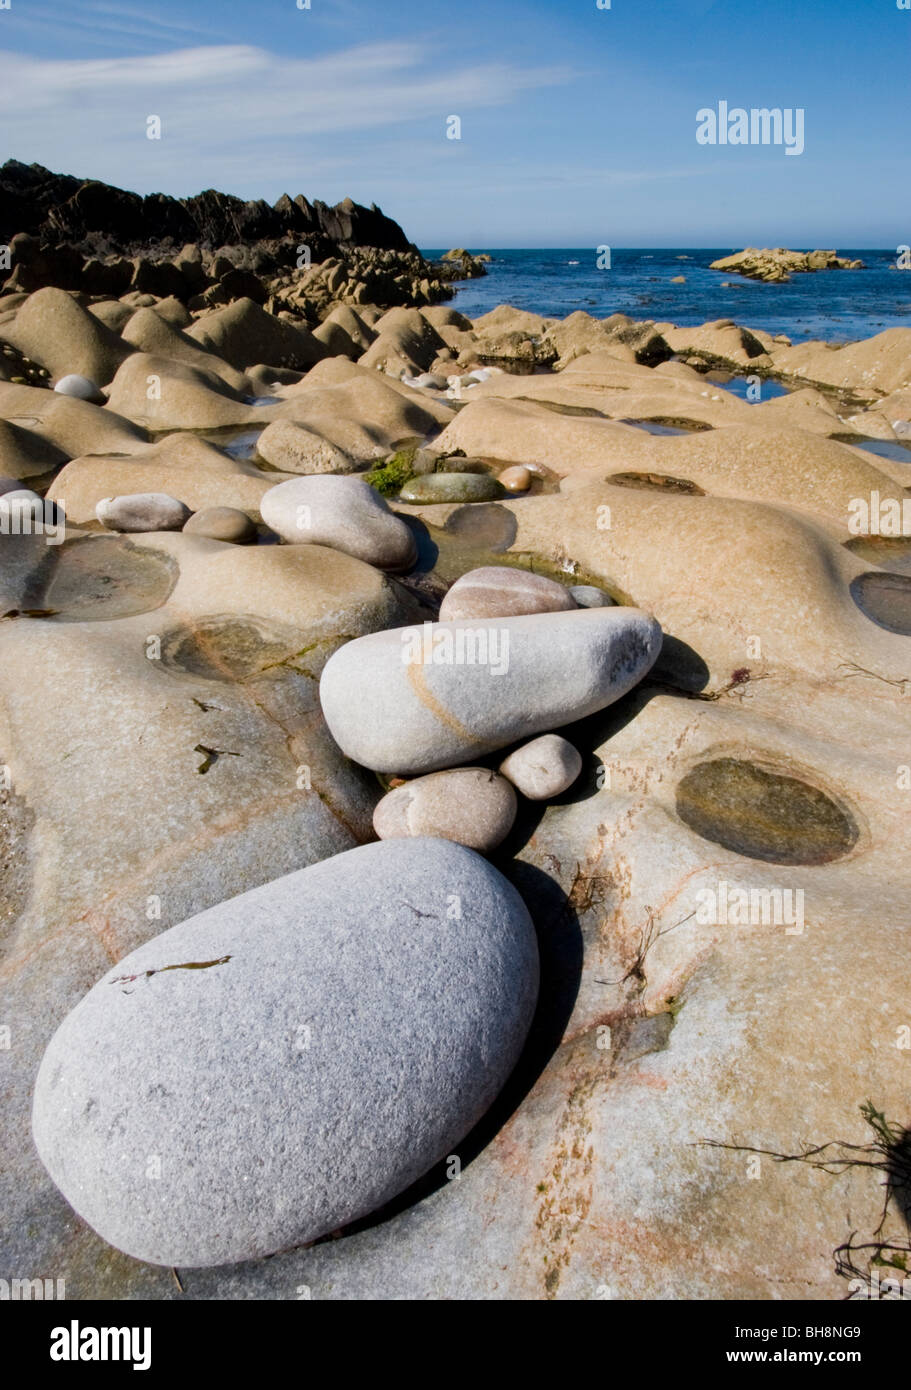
[{"x": 578, "y": 124}]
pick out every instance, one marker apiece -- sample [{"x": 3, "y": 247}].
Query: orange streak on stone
[{"x": 418, "y": 682}]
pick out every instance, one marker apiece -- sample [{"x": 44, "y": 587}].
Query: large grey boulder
[
  {"x": 341, "y": 512},
  {"x": 414, "y": 700},
  {"x": 289, "y": 1060}
]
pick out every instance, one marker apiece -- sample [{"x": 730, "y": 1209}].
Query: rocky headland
[
  {"x": 295, "y": 257},
  {"x": 778, "y": 265},
  {"x": 454, "y": 793}
]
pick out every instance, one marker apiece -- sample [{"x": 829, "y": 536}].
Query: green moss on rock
[{"x": 390, "y": 476}]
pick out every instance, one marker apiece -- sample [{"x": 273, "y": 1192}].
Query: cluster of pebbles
[
  {"x": 513, "y": 655},
  {"x": 474, "y": 806}
]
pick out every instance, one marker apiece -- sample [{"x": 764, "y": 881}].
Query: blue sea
[{"x": 835, "y": 305}]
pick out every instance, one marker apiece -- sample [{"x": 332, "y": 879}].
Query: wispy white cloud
[
  {"x": 122, "y": 27},
  {"x": 140, "y": 17},
  {"x": 226, "y": 108}
]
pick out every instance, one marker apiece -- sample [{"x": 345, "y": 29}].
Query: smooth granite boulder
[
  {"x": 416, "y": 699},
  {"x": 500, "y": 591},
  {"x": 286, "y": 1062},
  {"x": 342, "y": 512},
  {"x": 543, "y": 768},
  {"x": 143, "y": 511},
  {"x": 471, "y": 805}
]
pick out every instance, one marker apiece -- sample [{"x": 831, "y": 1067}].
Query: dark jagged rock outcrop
[
  {"x": 460, "y": 264},
  {"x": 207, "y": 250},
  {"x": 90, "y": 215}
]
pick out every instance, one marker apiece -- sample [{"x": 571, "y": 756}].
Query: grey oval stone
[
  {"x": 80, "y": 387},
  {"x": 143, "y": 511},
  {"x": 452, "y": 487},
  {"x": 430, "y": 379},
  {"x": 344, "y": 513},
  {"x": 471, "y": 805},
  {"x": 416, "y": 699},
  {"x": 496, "y": 591},
  {"x": 19, "y": 507},
  {"x": 543, "y": 768},
  {"x": 588, "y": 596},
  {"x": 291, "y": 1059}
]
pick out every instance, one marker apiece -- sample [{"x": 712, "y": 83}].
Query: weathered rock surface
[
  {"x": 162, "y": 393},
  {"x": 65, "y": 338},
  {"x": 295, "y": 449},
  {"x": 243, "y": 333},
  {"x": 149, "y": 331},
  {"x": 405, "y": 342},
  {"x": 182, "y": 464},
  {"x": 275, "y": 1121},
  {"x": 873, "y": 367},
  {"x": 781, "y": 264},
  {"x": 361, "y": 412}
]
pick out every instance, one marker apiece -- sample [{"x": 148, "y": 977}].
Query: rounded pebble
[
  {"x": 436, "y": 695},
  {"x": 500, "y": 591},
  {"x": 516, "y": 478},
  {"x": 588, "y": 596},
  {"x": 80, "y": 387},
  {"x": 543, "y": 768},
  {"x": 452, "y": 487},
  {"x": 143, "y": 511},
  {"x": 222, "y": 524},
  {"x": 470, "y": 805}
]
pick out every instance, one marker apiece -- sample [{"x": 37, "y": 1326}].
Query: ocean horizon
[{"x": 837, "y": 306}]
